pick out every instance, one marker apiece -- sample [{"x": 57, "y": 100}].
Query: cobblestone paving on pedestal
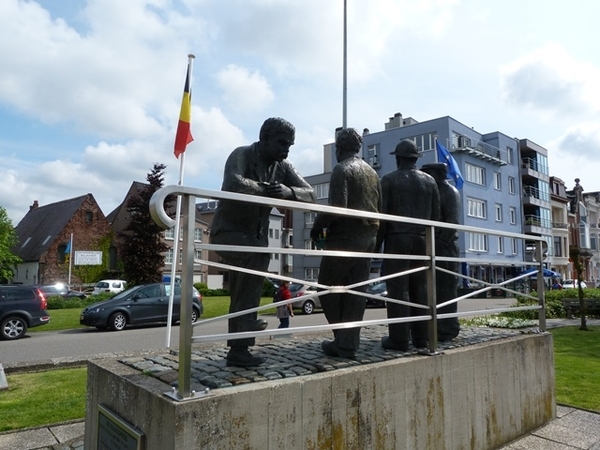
[{"x": 293, "y": 356}]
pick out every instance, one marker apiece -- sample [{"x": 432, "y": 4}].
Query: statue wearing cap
[
  {"x": 409, "y": 192},
  {"x": 446, "y": 244}
]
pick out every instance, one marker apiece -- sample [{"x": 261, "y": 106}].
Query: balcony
[
  {"x": 534, "y": 196},
  {"x": 536, "y": 225},
  {"x": 478, "y": 149},
  {"x": 560, "y": 225}
]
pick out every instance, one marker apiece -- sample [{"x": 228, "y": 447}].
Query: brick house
[
  {"x": 45, "y": 232},
  {"x": 119, "y": 219}
]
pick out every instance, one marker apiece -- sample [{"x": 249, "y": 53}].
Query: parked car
[
  {"x": 146, "y": 303},
  {"x": 306, "y": 304},
  {"x": 114, "y": 286},
  {"x": 21, "y": 307},
  {"x": 572, "y": 284},
  {"x": 377, "y": 289},
  {"x": 50, "y": 290}
]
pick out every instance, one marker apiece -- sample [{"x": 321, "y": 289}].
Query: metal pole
[
  {"x": 539, "y": 256},
  {"x": 187, "y": 280},
  {"x": 431, "y": 290},
  {"x": 345, "y": 76}
]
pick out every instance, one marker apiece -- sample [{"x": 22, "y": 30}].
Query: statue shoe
[
  {"x": 387, "y": 343},
  {"x": 331, "y": 349},
  {"x": 420, "y": 343},
  {"x": 241, "y": 357}
]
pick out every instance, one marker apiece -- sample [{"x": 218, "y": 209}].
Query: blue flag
[
  {"x": 453, "y": 170},
  {"x": 68, "y": 249}
]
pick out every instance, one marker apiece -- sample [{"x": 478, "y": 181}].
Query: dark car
[
  {"x": 59, "y": 289},
  {"x": 379, "y": 289},
  {"x": 146, "y": 303},
  {"x": 21, "y": 307}
]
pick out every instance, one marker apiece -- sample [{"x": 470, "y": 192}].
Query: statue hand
[{"x": 278, "y": 190}]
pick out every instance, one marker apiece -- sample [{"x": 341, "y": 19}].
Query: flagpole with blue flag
[
  {"x": 453, "y": 170},
  {"x": 69, "y": 253}
]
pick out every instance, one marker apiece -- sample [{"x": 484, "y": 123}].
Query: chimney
[
  {"x": 395, "y": 122},
  {"x": 365, "y": 131},
  {"x": 35, "y": 205}
]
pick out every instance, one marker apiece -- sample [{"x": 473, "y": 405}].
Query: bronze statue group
[{"x": 262, "y": 169}]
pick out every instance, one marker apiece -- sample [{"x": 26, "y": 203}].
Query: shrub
[
  {"x": 58, "y": 302},
  {"x": 206, "y": 292}
]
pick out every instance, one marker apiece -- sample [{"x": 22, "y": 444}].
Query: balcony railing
[
  {"x": 532, "y": 191},
  {"x": 479, "y": 149},
  {"x": 530, "y": 163},
  {"x": 560, "y": 225},
  {"x": 537, "y": 221}
]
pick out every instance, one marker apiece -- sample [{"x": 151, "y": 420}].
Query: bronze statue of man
[
  {"x": 446, "y": 244},
  {"x": 409, "y": 192},
  {"x": 355, "y": 185},
  {"x": 257, "y": 169}
]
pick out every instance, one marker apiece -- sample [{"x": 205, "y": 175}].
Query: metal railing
[{"x": 189, "y": 197}]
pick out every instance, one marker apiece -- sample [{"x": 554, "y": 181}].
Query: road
[{"x": 89, "y": 342}]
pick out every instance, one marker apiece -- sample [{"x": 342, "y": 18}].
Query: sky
[{"x": 90, "y": 90}]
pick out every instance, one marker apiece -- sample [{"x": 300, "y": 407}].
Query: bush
[
  {"x": 58, "y": 302},
  {"x": 206, "y": 292}
]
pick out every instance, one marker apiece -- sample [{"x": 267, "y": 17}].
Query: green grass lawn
[
  {"x": 40, "y": 398},
  {"x": 577, "y": 367}
]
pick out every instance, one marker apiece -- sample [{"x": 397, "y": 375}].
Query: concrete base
[{"x": 477, "y": 397}]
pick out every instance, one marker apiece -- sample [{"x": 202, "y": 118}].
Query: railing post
[
  {"x": 539, "y": 256},
  {"x": 431, "y": 289},
  {"x": 187, "y": 282}
]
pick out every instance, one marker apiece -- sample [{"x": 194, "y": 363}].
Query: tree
[
  {"x": 8, "y": 240},
  {"x": 143, "y": 249}
]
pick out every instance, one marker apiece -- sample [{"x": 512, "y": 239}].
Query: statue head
[
  {"x": 276, "y": 137},
  {"x": 406, "y": 149},
  {"x": 347, "y": 143},
  {"x": 439, "y": 171}
]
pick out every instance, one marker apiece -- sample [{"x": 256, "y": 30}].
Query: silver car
[{"x": 305, "y": 303}]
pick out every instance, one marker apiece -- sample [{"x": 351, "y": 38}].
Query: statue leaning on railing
[
  {"x": 257, "y": 169},
  {"x": 354, "y": 184}
]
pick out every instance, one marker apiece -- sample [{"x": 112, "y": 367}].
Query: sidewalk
[{"x": 573, "y": 429}]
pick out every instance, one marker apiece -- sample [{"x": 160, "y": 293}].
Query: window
[
  {"x": 309, "y": 218},
  {"x": 593, "y": 241},
  {"x": 89, "y": 216},
  {"x": 276, "y": 233},
  {"x": 373, "y": 157},
  {"x": 322, "y": 190},
  {"x": 498, "y": 212},
  {"x": 477, "y": 242},
  {"x": 476, "y": 208},
  {"x": 500, "y": 245},
  {"x": 169, "y": 256},
  {"x": 475, "y": 174},
  {"x": 511, "y": 185},
  {"x": 558, "y": 246},
  {"x": 510, "y": 157},
  {"x": 170, "y": 233},
  {"x": 197, "y": 234},
  {"x": 311, "y": 273},
  {"x": 513, "y": 215},
  {"x": 197, "y": 255},
  {"x": 270, "y": 233},
  {"x": 514, "y": 244},
  {"x": 498, "y": 181},
  {"x": 309, "y": 244}
]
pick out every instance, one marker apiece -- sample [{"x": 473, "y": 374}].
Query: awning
[{"x": 547, "y": 273}]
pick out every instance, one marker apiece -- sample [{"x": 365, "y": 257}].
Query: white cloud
[
  {"x": 552, "y": 81},
  {"x": 244, "y": 90}
]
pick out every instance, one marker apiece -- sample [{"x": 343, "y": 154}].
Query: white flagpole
[
  {"x": 177, "y": 227},
  {"x": 345, "y": 76},
  {"x": 70, "y": 260}
]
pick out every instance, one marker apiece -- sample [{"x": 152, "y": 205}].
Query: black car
[
  {"x": 146, "y": 303},
  {"x": 50, "y": 290},
  {"x": 377, "y": 289},
  {"x": 21, "y": 307}
]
